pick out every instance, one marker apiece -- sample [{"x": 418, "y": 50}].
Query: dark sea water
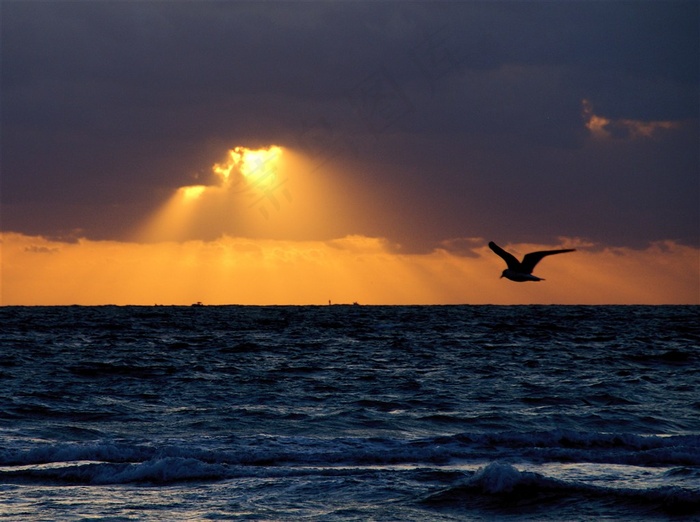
[{"x": 350, "y": 413}]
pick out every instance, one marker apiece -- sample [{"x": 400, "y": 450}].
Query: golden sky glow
[
  {"x": 356, "y": 268},
  {"x": 245, "y": 240},
  {"x": 192, "y": 192}
]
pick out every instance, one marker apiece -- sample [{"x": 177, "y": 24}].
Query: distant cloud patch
[{"x": 602, "y": 127}]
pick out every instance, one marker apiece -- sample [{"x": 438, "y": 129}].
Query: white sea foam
[{"x": 398, "y": 412}]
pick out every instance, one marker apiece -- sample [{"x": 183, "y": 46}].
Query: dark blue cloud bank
[{"x": 468, "y": 119}]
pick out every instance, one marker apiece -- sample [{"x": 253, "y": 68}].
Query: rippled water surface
[{"x": 350, "y": 413}]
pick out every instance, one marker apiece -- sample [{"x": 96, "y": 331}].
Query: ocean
[{"x": 330, "y": 413}]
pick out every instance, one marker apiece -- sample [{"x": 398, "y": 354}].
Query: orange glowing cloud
[
  {"x": 228, "y": 270},
  {"x": 602, "y": 127}
]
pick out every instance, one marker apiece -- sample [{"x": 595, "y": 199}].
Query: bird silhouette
[{"x": 521, "y": 271}]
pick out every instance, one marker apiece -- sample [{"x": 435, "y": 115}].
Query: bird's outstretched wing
[
  {"x": 531, "y": 259},
  {"x": 509, "y": 258}
]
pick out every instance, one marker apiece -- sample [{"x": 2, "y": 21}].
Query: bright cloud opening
[
  {"x": 247, "y": 178},
  {"x": 251, "y": 170},
  {"x": 270, "y": 193},
  {"x": 258, "y": 168}
]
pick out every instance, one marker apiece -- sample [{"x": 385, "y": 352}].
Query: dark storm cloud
[{"x": 466, "y": 116}]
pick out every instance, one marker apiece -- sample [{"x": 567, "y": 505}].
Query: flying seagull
[{"x": 521, "y": 271}]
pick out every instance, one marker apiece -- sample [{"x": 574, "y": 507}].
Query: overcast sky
[{"x": 511, "y": 121}]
